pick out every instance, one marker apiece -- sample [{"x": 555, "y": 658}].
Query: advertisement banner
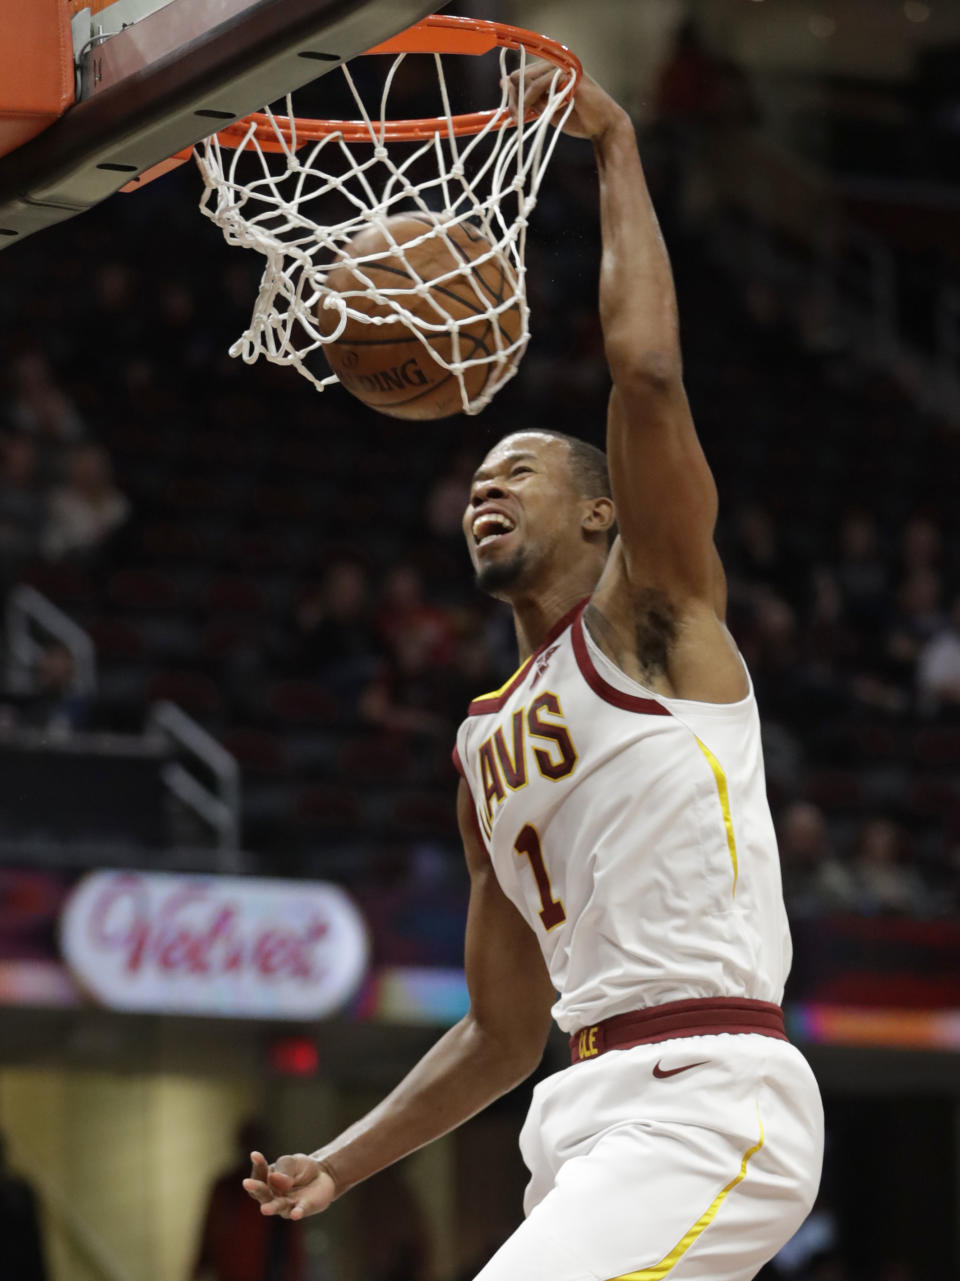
[{"x": 216, "y": 945}]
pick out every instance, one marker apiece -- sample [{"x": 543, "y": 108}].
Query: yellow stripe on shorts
[
  {"x": 660, "y": 1270},
  {"x": 721, "y": 781}
]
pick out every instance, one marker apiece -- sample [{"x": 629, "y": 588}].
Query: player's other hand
[
  {"x": 291, "y": 1187},
  {"x": 594, "y": 110}
]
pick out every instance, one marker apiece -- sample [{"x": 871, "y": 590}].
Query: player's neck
[{"x": 536, "y": 614}]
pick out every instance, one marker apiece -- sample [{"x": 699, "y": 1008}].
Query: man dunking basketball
[{"x": 619, "y": 842}]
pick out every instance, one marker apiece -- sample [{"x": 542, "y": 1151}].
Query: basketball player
[{"x": 620, "y": 846}]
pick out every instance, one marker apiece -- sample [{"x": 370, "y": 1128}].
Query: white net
[{"x": 302, "y": 205}]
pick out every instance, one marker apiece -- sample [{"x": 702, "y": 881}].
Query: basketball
[{"x": 388, "y": 366}]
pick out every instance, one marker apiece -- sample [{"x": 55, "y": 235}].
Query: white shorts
[{"x": 702, "y": 1173}]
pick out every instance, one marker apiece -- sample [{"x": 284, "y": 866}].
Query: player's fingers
[
  {"x": 511, "y": 87},
  {"x": 279, "y": 1181},
  {"x": 534, "y": 81},
  {"x": 276, "y": 1207},
  {"x": 257, "y": 1189},
  {"x": 259, "y": 1166},
  {"x": 308, "y": 1202}
]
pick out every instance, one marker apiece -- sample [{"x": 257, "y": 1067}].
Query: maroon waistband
[{"x": 706, "y": 1016}]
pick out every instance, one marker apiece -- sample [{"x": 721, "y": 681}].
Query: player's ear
[{"x": 599, "y": 514}]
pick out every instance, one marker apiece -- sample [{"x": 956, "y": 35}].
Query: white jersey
[{"x": 631, "y": 830}]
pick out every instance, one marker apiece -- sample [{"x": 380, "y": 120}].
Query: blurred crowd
[
  {"x": 58, "y": 499},
  {"x": 290, "y": 568}
]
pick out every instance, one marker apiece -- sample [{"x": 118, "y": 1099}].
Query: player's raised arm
[
  {"x": 494, "y": 1047},
  {"x": 662, "y": 486}
]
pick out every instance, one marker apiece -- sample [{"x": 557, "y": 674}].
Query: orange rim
[{"x": 439, "y": 33}]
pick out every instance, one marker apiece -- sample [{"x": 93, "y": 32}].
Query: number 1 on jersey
[{"x": 527, "y": 845}]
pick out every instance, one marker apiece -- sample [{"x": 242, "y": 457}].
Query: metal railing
[
  {"x": 215, "y": 802},
  {"x": 28, "y": 612},
  {"x": 789, "y": 231}
]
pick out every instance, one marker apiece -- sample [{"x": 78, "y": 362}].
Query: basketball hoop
[{"x": 319, "y": 183}]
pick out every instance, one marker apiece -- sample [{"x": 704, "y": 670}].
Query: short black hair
[{"x": 588, "y": 467}]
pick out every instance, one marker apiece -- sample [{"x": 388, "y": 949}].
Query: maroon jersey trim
[
  {"x": 488, "y": 703},
  {"x": 493, "y": 702},
  {"x": 609, "y": 693},
  {"x": 701, "y": 1016}
]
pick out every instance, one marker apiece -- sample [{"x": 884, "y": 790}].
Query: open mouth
[{"x": 491, "y": 526}]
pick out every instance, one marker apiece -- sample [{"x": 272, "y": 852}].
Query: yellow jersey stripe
[
  {"x": 660, "y": 1270},
  {"x": 721, "y": 781},
  {"x": 498, "y": 693}
]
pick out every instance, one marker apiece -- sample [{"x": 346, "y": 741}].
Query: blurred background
[{"x": 241, "y": 630}]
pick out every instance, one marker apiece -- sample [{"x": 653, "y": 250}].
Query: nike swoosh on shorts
[{"x": 661, "y": 1073}]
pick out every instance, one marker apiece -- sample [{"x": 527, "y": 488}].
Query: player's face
[{"x": 521, "y": 510}]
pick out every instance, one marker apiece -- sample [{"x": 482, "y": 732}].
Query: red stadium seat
[
  {"x": 835, "y": 790},
  {"x": 283, "y": 502},
  {"x": 933, "y": 798},
  {"x": 222, "y": 635},
  {"x": 143, "y": 589},
  {"x": 302, "y": 702},
  {"x": 173, "y": 542},
  {"x": 375, "y": 758},
  {"x": 195, "y": 693},
  {"x": 329, "y": 806},
  {"x": 255, "y": 750},
  {"x": 116, "y": 638},
  {"x": 63, "y": 584},
  {"x": 425, "y": 813},
  {"x": 235, "y": 594},
  {"x": 938, "y": 745}
]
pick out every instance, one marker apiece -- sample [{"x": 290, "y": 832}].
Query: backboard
[{"x": 152, "y": 77}]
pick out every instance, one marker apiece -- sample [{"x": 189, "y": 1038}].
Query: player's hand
[
  {"x": 594, "y": 110},
  {"x": 291, "y": 1187}
]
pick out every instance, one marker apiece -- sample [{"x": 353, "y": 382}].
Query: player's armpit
[{"x": 510, "y": 990}]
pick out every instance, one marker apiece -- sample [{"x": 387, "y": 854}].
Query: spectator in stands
[
  {"x": 921, "y": 545},
  {"x": 829, "y": 644},
  {"x": 918, "y": 618},
  {"x": 334, "y": 633},
  {"x": 938, "y": 665},
  {"x": 861, "y": 571},
  {"x": 57, "y": 705},
  {"x": 770, "y": 644},
  {"x": 448, "y": 497},
  {"x": 39, "y": 408},
  {"x": 758, "y": 557},
  {"x": 405, "y": 617},
  {"x": 86, "y": 508},
  {"x": 444, "y": 559},
  {"x": 472, "y": 673},
  {"x": 237, "y": 1243},
  {"x": 814, "y": 880},
  {"x": 22, "y": 502},
  {"x": 884, "y": 883},
  {"x": 21, "y": 1243},
  {"x": 411, "y": 692}
]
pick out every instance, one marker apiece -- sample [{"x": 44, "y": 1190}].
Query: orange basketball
[{"x": 387, "y": 366}]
